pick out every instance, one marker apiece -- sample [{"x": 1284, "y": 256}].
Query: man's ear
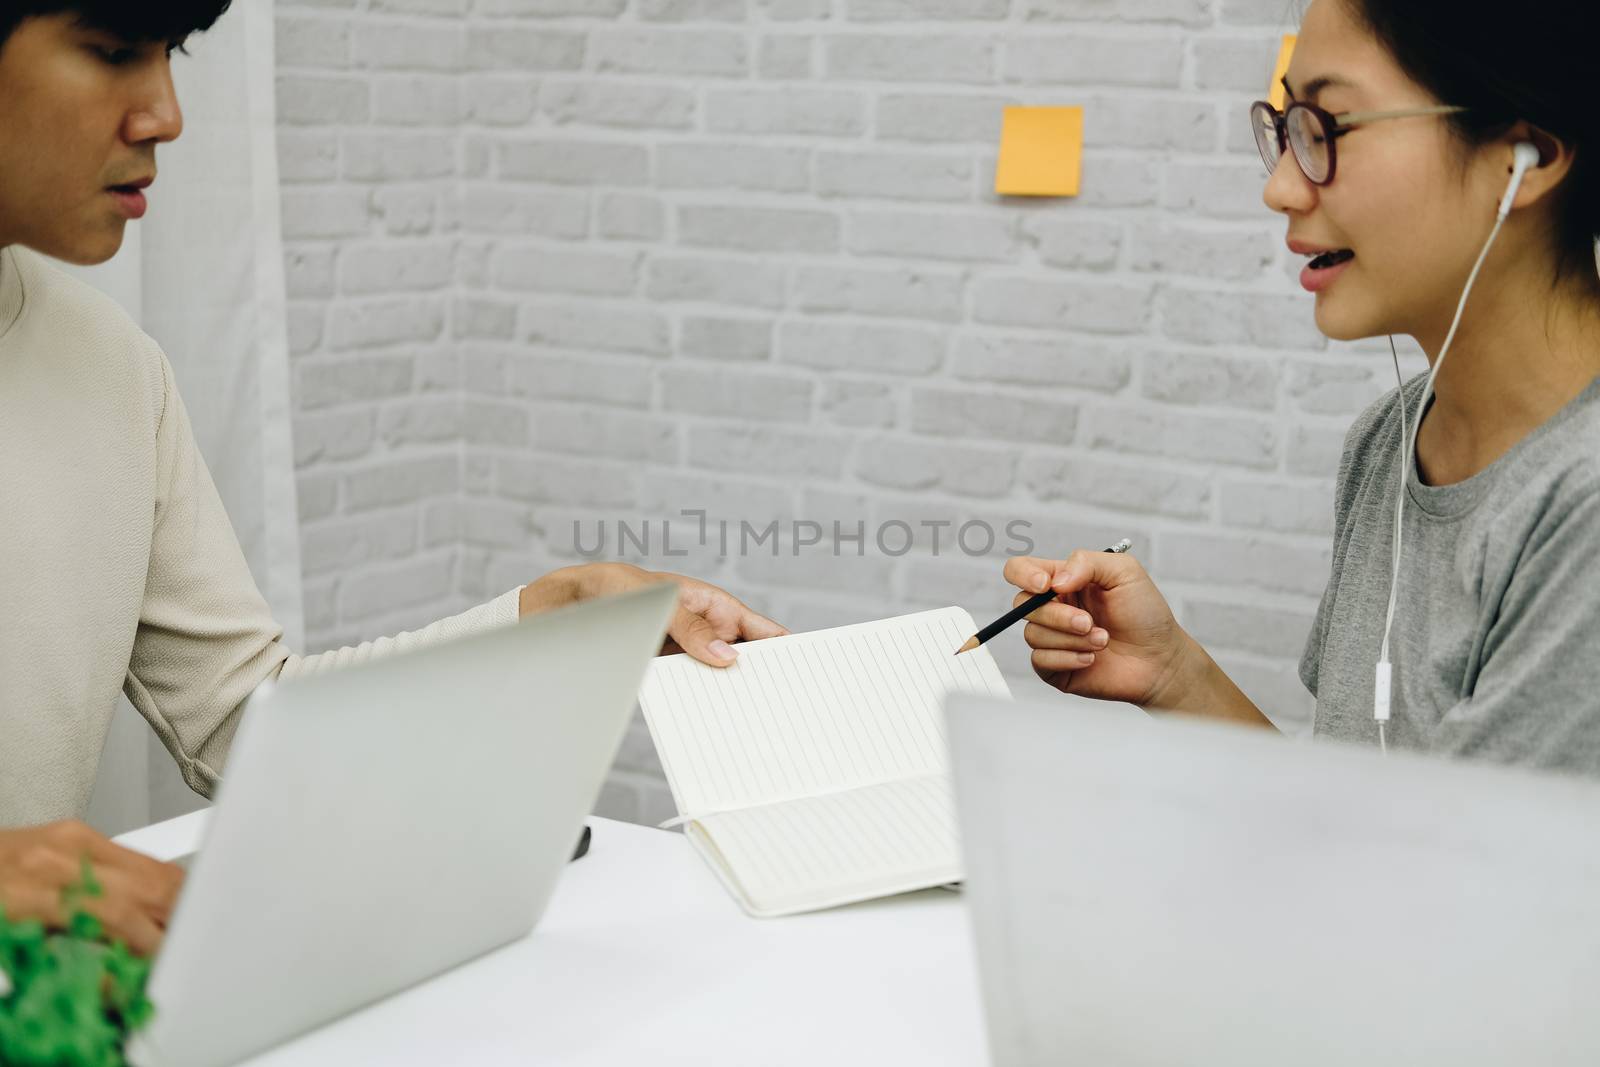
[{"x": 1556, "y": 158}]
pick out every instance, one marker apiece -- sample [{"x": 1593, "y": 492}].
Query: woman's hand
[
  {"x": 39, "y": 863},
  {"x": 705, "y": 624},
  {"x": 1109, "y": 634}
]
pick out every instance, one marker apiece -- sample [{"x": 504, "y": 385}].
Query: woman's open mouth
[{"x": 1324, "y": 269}]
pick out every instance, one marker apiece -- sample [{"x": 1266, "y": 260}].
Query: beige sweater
[{"x": 118, "y": 567}]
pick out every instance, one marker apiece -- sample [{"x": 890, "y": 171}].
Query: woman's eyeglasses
[{"x": 1310, "y": 133}]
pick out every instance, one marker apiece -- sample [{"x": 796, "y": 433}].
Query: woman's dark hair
[
  {"x": 1532, "y": 65},
  {"x": 171, "y": 21}
]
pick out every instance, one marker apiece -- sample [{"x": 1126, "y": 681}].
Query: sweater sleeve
[{"x": 206, "y": 638}]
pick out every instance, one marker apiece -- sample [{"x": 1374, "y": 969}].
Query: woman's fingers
[
  {"x": 1031, "y": 574},
  {"x": 1108, "y": 570},
  {"x": 1051, "y": 665},
  {"x": 1054, "y": 662},
  {"x": 1058, "y": 616},
  {"x": 1047, "y": 639}
]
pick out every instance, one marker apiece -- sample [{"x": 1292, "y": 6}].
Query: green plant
[{"x": 72, "y": 999}]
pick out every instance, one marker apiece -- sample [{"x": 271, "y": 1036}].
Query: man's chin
[{"x": 84, "y": 249}]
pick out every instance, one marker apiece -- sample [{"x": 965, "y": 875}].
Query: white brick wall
[{"x": 558, "y": 261}]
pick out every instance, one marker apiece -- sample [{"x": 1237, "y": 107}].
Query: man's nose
[{"x": 155, "y": 115}]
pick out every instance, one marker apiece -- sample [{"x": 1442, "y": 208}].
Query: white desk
[{"x": 644, "y": 958}]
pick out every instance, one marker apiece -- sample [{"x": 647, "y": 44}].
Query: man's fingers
[
  {"x": 47, "y": 865},
  {"x": 151, "y": 897},
  {"x": 696, "y": 636},
  {"x": 155, "y": 885},
  {"x": 44, "y": 870},
  {"x": 36, "y": 901},
  {"x": 159, "y": 882},
  {"x": 709, "y": 618},
  {"x": 123, "y": 919},
  {"x": 754, "y": 627},
  {"x": 125, "y": 922}
]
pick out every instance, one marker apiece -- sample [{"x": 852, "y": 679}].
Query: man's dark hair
[{"x": 169, "y": 21}]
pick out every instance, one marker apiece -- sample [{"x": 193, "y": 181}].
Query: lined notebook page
[
  {"x": 813, "y": 713},
  {"x": 836, "y": 848}
]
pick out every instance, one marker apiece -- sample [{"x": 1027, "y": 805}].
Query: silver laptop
[
  {"x": 383, "y": 823},
  {"x": 1179, "y": 892}
]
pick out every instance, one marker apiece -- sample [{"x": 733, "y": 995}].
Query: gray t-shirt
[{"x": 1496, "y": 639}]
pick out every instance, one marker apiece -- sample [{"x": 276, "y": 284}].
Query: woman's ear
[{"x": 1555, "y": 162}]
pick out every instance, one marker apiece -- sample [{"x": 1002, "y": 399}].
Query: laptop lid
[
  {"x": 382, "y": 823},
  {"x": 1174, "y": 891}
]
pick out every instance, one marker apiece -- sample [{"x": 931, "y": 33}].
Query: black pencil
[{"x": 1023, "y": 610}]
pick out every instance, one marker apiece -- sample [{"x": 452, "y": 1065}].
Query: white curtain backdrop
[{"x": 203, "y": 274}]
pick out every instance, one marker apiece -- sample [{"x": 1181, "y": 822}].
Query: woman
[{"x": 1495, "y": 629}]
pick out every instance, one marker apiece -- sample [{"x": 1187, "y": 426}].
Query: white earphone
[{"x": 1524, "y": 157}]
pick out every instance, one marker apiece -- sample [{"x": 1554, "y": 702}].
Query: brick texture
[{"x": 558, "y": 262}]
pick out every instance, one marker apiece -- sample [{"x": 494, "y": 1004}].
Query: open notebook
[{"x": 813, "y": 772}]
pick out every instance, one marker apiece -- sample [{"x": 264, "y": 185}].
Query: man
[{"x": 120, "y": 569}]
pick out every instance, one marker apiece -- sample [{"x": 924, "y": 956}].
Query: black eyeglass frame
[{"x": 1333, "y": 127}]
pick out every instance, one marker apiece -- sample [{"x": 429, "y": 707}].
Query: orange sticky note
[
  {"x": 1275, "y": 93},
  {"x": 1041, "y": 151}
]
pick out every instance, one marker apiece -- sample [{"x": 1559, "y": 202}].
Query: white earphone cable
[
  {"x": 1394, "y": 574},
  {"x": 1408, "y": 437}
]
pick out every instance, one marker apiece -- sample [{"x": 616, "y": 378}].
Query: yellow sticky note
[
  {"x": 1041, "y": 151},
  {"x": 1275, "y": 93}
]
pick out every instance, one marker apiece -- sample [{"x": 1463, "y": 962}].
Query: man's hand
[
  {"x": 706, "y": 623},
  {"x": 137, "y": 893}
]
